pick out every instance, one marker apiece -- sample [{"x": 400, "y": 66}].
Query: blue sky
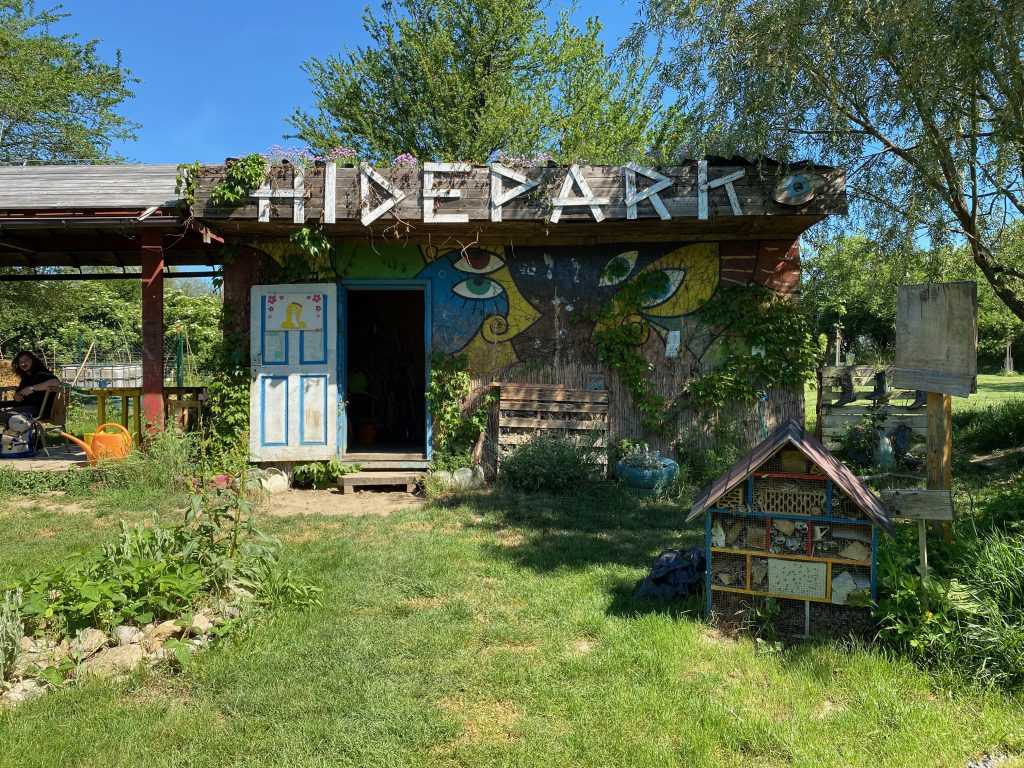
[{"x": 219, "y": 78}]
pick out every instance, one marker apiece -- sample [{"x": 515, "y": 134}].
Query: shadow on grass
[
  {"x": 602, "y": 525},
  {"x": 626, "y": 603}
]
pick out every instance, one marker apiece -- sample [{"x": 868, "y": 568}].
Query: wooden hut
[
  {"x": 789, "y": 521},
  {"x": 505, "y": 267}
]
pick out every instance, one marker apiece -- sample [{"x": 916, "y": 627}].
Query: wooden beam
[{"x": 153, "y": 328}]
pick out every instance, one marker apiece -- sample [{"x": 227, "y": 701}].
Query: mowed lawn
[
  {"x": 992, "y": 390},
  {"x": 498, "y": 630}
]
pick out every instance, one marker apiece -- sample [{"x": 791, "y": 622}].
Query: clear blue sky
[{"x": 220, "y": 77}]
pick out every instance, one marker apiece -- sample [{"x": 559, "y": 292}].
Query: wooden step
[{"x": 378, "y": 479}]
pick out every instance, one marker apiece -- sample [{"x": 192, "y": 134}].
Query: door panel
[{"x": 294, "y": 393}]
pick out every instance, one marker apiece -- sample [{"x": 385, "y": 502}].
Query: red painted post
[{"x": 153, "y": 329}]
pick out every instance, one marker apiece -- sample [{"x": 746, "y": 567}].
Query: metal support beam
[{"x": 153, "y": 329}]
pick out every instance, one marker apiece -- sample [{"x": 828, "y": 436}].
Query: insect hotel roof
[{"x": 791, "y": 433}]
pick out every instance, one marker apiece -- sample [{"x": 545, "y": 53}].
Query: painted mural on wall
[{"x": 504, "y": 305}]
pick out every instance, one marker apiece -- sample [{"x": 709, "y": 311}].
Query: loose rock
[
  {"x": 21, "y": 692},
  {"x": 87, "y": 643},
  {"x": 201, "y": 624},
  {"x": 128, "y": 635},
  {"x": 153, "y": 638},
  {"x": 463, "y": 477},
  {"x": 114, "y": 661}
]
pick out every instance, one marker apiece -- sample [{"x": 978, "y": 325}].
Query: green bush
[
  {"x": 699, "y": 465},
  {"x": 158, "y": 572},
  {"x": 990, "y": 427},
  {"x": 974, "y": 622},
  {"x": 321, "y": 474},
  {"x": 550, "y": 464}
]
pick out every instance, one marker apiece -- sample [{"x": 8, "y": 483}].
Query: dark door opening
[{"x": 385, "y": 372}]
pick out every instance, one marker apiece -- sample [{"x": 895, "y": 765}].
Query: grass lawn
[
  {"x": 498, "y": 630},
  {"x": 992, "y": 389}
]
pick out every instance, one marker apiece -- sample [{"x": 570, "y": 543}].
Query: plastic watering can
[{"x": 104, "y": 446}]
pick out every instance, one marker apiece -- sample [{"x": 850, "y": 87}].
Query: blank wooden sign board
[{"x": 937, "y": 338}]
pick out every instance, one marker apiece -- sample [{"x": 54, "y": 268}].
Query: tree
[
  {"x": 922, "y": 99},
  {"x": 58, "y": 99},
  {"x": 463, "y": 79},
  {"x": 853, "y": 282}
]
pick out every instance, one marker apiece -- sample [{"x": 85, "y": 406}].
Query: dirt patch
[
  {"x": 1009, "y": 458},
  {"x": 483, "y": 720},
  {"x": 335, "y": 503},
  {"x": 583, "y": 645},
  {"x": 49, "y": 502}
]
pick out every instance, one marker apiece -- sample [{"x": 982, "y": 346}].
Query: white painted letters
[{"x": 430, "y": 194}]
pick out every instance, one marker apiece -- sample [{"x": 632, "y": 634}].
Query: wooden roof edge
[{"x": 791, "y": 432}]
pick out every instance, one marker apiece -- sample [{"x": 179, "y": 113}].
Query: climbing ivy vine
[
  {"x": 763, "y": 342},
  {"x": 243, "y": 175}
]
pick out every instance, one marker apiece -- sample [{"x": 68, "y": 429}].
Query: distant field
[{"x": 992, "y": 389}]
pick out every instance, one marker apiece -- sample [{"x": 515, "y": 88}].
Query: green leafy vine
[
  {"x": 620, "y": 331},
  {"x": 455, "y": 430},
  {"x": 243, "y": 175},
  {"x": 764, "y": 342}
]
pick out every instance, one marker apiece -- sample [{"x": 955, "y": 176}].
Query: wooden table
[{"x": 178, "y": 401}]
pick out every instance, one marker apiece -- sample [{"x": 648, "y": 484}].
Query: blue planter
[{"x": 647, "y": 480}]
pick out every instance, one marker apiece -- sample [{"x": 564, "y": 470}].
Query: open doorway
[{"x": 385, "y": 365}]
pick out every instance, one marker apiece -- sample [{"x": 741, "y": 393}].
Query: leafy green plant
[
  {"x": 549, "y": 464},
  {"x": 156, "y": 572},
  {"x": 243, "y": 176},
  {"x": 321, "y": 474},
  {"x": 620, "y": 330},
  {"x": 456, "y": 429},
  {"x": 185, "y": 184},
  {"x": 699, "y": 464},
  {"x": 11, "y": 628},
  {"x": 763, "y": 342}
]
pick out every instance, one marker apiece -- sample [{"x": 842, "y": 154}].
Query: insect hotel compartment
[
  {"x": 729, "y": 531},
  {"x": 786, "y": 496},
  {"x": 729, "y": 571},
  {"x": 839, "y": 541}
]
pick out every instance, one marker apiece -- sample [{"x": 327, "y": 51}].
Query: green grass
[
  {"x": 499, "y": 630},
  {"x": 993, "y": 389}
]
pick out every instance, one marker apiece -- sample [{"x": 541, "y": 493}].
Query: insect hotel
[{"x": 790, "y": 522}]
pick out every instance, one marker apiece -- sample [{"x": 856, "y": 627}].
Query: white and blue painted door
[{"x": 294, "y": 393}]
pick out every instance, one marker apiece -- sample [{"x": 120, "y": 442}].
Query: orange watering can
[{"x": 110, "y": 446}]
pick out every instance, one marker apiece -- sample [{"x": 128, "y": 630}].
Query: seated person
[{"x": 34, "y": 382}]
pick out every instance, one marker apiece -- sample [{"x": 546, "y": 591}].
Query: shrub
[
  {"x": 990, "y": 427},
  {"x": 550, "y": 464},
  {"x": 159, "y": 572},
  {"x": 321, "y": 474},
  {"x": 700, "y": 465},
  {"x": 974, "y": 624}
]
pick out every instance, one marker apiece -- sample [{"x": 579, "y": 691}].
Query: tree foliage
[
  {"x": 465, "y": 79},
  {"x": 853, "y": 282},
  {"x": 61, "y": 320},
  {"x": 58, "y": 99},
  {"x": 923, "y": 100}
]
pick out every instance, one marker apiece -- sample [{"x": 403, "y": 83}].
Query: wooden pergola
[{"x": 59, "y": 222}]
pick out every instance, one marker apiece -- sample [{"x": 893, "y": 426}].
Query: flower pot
[{"x": 647, "y": 480}]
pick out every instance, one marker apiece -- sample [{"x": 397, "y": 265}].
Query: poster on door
[{"x": 294, "y": 312}]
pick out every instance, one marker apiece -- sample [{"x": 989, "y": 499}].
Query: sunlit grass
[{"x": 496, "y": 630}]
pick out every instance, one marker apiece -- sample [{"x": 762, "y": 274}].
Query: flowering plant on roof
[{"x": 406, "y": 158}]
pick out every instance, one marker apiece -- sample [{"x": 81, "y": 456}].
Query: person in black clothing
[{"x": 34, "y": 382}]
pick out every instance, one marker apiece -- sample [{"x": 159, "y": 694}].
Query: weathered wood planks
[
  {"x": 528, "y": 410},
  {"x": 746, "y": 194}
]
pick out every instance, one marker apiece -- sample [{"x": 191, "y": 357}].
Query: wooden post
[
  {"x": 940, "y": 450},
  {"x": 153, "y": 328}
]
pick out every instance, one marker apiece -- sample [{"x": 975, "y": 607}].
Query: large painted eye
[
  {"x": 479, "y": 262},
  {"x": 618, "y": 268},
  {"x": 478, "y": 288},
  {"x": 674, "y": 278},
  {"x": 796, "y": 189}
]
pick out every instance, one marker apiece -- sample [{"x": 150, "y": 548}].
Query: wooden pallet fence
[
  {"x": 833, "y": 422},
  {"x": 526, "y": 410}
]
